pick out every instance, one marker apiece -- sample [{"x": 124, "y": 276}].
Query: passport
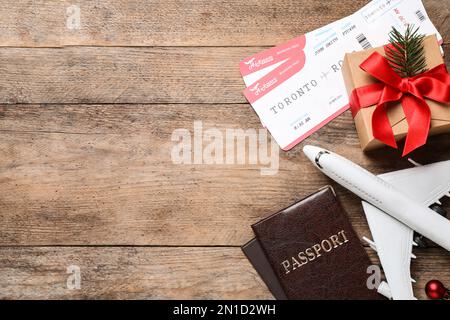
[
  {"x": 309, "y": 251},
  {"x": 255, "y": 254}
]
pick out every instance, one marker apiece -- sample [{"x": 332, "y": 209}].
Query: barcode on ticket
[
  {"x": 420, "y": 16},
  {"x": 365, "y": 44}
]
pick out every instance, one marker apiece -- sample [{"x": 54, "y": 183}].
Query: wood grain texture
[
  {"x": 156, "y": 273},
  {"x": 124, "y": 75},
  {"x": 175, "y": 23},
  {"x": 85, "y": 141},
  {"x": 103, "y": 174},
  {"x": 129, "y": 273},
  {"x": 121, "y": 75}
]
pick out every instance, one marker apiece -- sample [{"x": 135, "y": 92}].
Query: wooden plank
[
  {"x": 162, "y": 273},
  {"x": 123, "y": 75},
  {"x": 103, "y": 174},
  {"x": 128, "y": 273},
  {"x": 439, "y": 11},
  {"x": 30, "y": 23}
]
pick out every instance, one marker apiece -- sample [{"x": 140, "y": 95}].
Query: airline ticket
[{"x": 297, "y": 87}]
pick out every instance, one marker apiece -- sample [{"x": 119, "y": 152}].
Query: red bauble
[{"x": 436, "y": 290}]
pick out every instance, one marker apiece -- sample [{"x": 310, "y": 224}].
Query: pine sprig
[{"x": 407, "y": 54}]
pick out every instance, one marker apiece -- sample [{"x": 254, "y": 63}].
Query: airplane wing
[
  {"x": 394, "y": 240},
  {"x": 426, "y": 184},
  {"x": 393, "y": 243}
]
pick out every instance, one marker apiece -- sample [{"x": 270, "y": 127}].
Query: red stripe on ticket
[
  {"x": 271, "y": 56},
  {"x": 275, "y": 78}
]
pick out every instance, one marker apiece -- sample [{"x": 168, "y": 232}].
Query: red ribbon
[{"x": 433, "y": 84}]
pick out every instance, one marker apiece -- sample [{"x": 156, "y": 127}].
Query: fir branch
[{"x": 406, "y": 55}]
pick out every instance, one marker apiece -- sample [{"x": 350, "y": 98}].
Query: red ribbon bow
[{"x": 433, "y": 84}]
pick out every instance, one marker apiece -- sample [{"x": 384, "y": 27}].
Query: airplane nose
[{"x": 311, "y": 152}]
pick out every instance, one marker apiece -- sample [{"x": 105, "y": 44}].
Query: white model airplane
[{"x": 393, "y": 240}]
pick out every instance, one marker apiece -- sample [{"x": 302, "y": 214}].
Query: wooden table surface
[{"x": 87, "y": 112}]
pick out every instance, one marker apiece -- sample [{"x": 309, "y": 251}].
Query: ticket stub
[
  {"x": 296, "y": 99},
  {"x": 313, "y": 43}
]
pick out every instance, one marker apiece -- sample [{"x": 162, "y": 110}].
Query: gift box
[{"x": 358, "y": 81}]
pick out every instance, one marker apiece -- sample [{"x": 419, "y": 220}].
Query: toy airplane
[{"x": 395, "y": 204}]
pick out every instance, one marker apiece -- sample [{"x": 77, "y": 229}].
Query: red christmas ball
[{"x": 436, "y": 290}]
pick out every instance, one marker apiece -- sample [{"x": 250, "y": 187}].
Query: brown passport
[
  {"x": 255, "y": 254},
  {"x": 313, "y": 251}
]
